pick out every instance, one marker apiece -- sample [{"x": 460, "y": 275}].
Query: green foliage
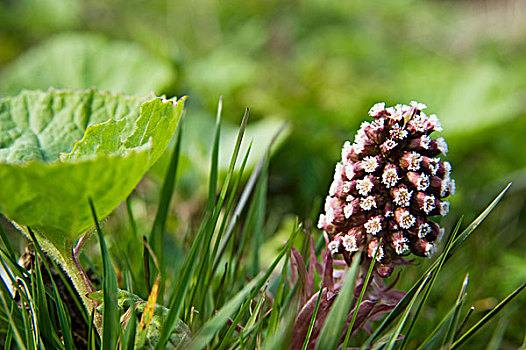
[
  {"x": 75, "y": 60},
  {"x": 44, "y": 167},
  {"x": 110, "y": 313},
  {"x": 317, "y": 65},
  {"x": 223, "y": 319},
  {"x": 334, "y": 325}
]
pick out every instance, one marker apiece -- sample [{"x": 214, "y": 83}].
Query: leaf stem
[
  {"x": 65, "y": 258},
  {"x": 75, "y": 255}
]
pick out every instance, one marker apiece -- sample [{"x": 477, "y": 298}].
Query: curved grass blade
[
  {"x": 93, "y": 342},
  {"x": 32, "y": 326},
  {"x": 130, "y": 332},
  {"x": 110, "y": 316},
  {"x": 6, "y": 243},
  {"x": 159, "y": 224},
  {"x": 65, "y": 325},
  {"x": 434, "y": 335},
  {"x": 16, "y": 316},
  {"x": 211, "y": 224},
  {"x": 331, "y": 332},
  {"x": 487, "y": 317},
  {"x": 312, "y": 320},
  {"x": 277, "y": 305},
  {"x": 451, "y": 317},
  {"x": 242, "y": 201},
  {"x": 13, "y": 266},
  {"x": 287, "y": 247},
  {"x": 255, "y": 313},
  {"x": 434, "y": 275},
  {"x": 5, "y": 289},
  {"x": 210, "y": 328},
  {"x": 450, "y": 335},
  {"x": 12, "y": 324}
]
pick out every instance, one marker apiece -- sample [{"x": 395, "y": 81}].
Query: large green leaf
[
  {"x": 59, "y": 148},
  {"x": 81, "y": 60}
]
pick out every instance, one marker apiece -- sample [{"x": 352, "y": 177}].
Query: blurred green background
[{"x": 318, "y": 65}]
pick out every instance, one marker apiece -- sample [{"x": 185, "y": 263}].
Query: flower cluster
[{"x": 388, "y": 184}]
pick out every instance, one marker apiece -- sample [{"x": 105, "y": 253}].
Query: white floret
[{"x": 376, "y": 109}]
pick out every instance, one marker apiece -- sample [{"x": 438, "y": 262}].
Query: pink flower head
[{"x": 388, "y": 186}]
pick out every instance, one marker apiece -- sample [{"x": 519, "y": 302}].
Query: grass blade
[
  {"x": 47, "y": 332},
  {"x": 181, "y": 287},
  {"x": 450, "y": 334},
  {"x": 233, "y": 220},
  {"x": 242, "y": 201},
  {"x": 131, "y": 219},
  {"x": 434, "y": 275},
  {"x": 464, "y": 322},
  {"x": 212, "y": 187},
  {"x": 259, "y": 204},
  {"x": 4, "y": 311},
  {"x": 32, "y": 334},
  {"x": 312, "y": 320},
  {"x": 64, "y": 322},
  {"x": 281, "y": 338},
  {"x": 434, "y": 335},
  {"x": 255, "y": 313},
  {"x": 359, "y": 301},
  {"x": 6, "y": 243},
  {"x": 405, "y": 315},
  {"x": 210, "y": 328},
  {"x": 110, "y": 315},
  {"x": 451, "y": 317},
  {"x": 487, "y": 317},
  {"x": 215, "y": 256},
  {"x": 278, "y": 299},
  {"x": 287, "y": 247},
  {"x": 523, "y": 346},
  {"x": 93, "y": 343},
  {"x": 205, "y": 255},
  {"x": 130, "y": 331},
  {"x": 159, "y": 224},
  {"x": 331, "y": 332},
  {"x": 12, "y": 324}
]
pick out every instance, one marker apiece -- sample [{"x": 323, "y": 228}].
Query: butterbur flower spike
[{"x": 389, "y": 184}]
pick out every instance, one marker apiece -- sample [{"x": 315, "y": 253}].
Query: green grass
[
  {"x": 220, "y": 309},
  {"x": 215, "y": 225},
  {"x": 222, "y": 295}
]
